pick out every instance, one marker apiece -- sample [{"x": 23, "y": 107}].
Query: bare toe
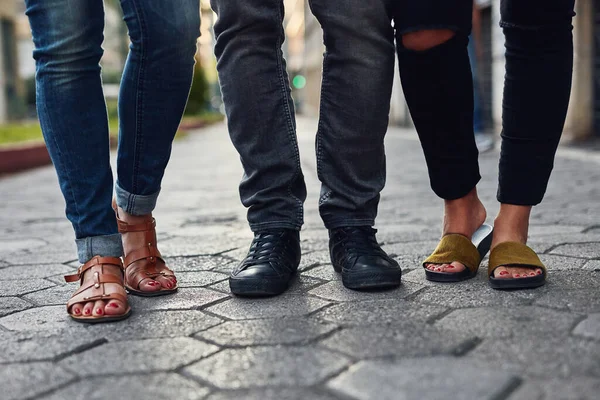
[
  {"x": 88, "y": 308},
  {"x": 454, "y": 267},
  {"x": 502, "y": 273},
  {"x": 77, "y": 309},
  {"x": 149, "y": 285},
  {"x": 166, "y": 282},
  {"x": 114, "y": 307},
  {"x": 98, "y": 308}
]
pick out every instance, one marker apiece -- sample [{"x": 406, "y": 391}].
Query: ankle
[
  {"x": 132, "y": 219},
  {"x": 512, "y": 224},
  {"x": 465, "y": 215}
]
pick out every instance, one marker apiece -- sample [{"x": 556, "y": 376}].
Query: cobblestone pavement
[{"x": 319, "y": 341}]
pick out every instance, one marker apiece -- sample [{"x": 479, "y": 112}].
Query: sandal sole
[
  {"x": 517, "y": 284},
  {"x": 141, "y": 293},
  {"x": 101, "y": 320}
]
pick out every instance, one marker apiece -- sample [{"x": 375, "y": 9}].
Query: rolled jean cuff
[
  {"x": 104, "y": 246},
  {"x": 135, "y": 204}
]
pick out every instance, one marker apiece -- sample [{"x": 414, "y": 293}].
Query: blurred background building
[{"x": 304, "y": 50}]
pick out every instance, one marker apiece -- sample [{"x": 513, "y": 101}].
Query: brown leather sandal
[
  {"x": 135, "y": 274},
  {"x": 97, "y": 290}
]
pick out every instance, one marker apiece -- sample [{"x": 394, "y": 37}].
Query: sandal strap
[
  {"x": 124, "y": 227},
  {"x": 455, "y": 247},
  {"x": 92, "y": 263},
  {"x": 135, "y": 275},
  {"x": 514, "y": 254},
  {"x": 149, "y": 252},
  {"x": 96, "y": 288}
]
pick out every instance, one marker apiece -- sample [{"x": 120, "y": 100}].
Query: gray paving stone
[
  {"x": 50, "y": 318},
  {"x": 588, "y": 250},
  {"x": 25, "y": 272},
  {"x": 158, "y": 324},
  {"x": 200, "y": 263},
  {"x": 135, "y": 356},
  {"x": 57, "y": 295},
  {"x": 400, "y": 340},
  {"x": 314, "y": 258},
  {"x": 44, "y": 348},
  {"x": 561, "y": 263},
  {"x": 378, "y": 312},
  {"x": 558, "y": 389},
  {"x": 324, "y": 272},
  {"x": 184, "y": 299},
  {"x": 40, "y": 256},
  {"x": 18, "y": 288},
  {"x": 14, "y": 244},
  {"x": 199, "y": 278},
  {"x": 282, "y": 306},
  {"x": 273, "y": 394},
  {"x": 539, "y": 230},
  {"x": 543, "y": 357},
  {"x": 196, "y": 246},
  {"x": 9, "y": 305},
  {"x": 592, "y": 265},
  {"x": 158, "y": 386},
  {"x": 512, "y": 322},
  {"x": 268, "y": 366},
  {"x": 336, "y": 291},
  {"x": 423, "y": 378},
  {"x": 266, "y": 332},
  {"x": 29, "y": 380},
  {"x": 589, "y": 328},
  {"x": 582, "y": 300}
]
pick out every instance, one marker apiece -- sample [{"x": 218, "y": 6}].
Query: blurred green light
[{"x": 299, "y": 82}]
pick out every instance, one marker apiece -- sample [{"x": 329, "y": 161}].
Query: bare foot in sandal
[
  {"x": 462, "y": 216},
  {"x": 512, "y": 225},
  {"x": 146, "y": 271},
  {"x": 101, "y": 296}
]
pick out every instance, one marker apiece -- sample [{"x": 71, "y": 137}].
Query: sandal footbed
[{"x": 100, "y": 320}]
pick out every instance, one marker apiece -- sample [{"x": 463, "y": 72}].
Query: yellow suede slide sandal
[{"x": 513, "y": 254}]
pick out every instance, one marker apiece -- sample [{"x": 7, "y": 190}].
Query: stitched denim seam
[
  {"x": 290, "y": 125},
  {"x": 139, "y": 104}
]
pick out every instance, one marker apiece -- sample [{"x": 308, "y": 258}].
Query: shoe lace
[
  {"x": 361, "y": 241},
  {"x": 267, "y": 247}
]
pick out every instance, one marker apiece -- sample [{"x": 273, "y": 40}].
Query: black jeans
[
  {"x": 539, "y": 64},
  {"x": 358, "y": 70}
]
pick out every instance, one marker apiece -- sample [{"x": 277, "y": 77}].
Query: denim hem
[
  {"x": 135, "y": 204},
  {"x": 275, "y": 225},
  {"x": 341, "y": 223},
  {"x": 104, "y": 246},
  {"x": 531, "y": 202}
]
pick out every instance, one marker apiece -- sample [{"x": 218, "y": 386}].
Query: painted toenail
[
  {"x": 539, "y": 272},
  {"x": 169, "y": 285},
  {"x": 532, "y": 274},
  {"x": 77, "y": 311},
  {"x": 113, "y": 305},
  {"x": 153, "y": 283},
  {"x": 87, "y": 312},
  {"x": 99, "y": 311},
  {"x": 450, "y": 266},
  {"x": 517, "y": 275},
  {"x": 503, "y": 272}
]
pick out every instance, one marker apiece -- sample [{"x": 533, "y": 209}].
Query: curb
[{"x": 22, "y": 157}]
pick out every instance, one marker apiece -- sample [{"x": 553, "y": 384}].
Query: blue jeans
[
  {"x": 358, "y": 72},
  {"x": 68, "y": 39}
]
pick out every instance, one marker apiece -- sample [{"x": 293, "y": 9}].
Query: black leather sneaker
[
  {"x": 356, "y": 254},
  {"x": 271, "y": 263}
]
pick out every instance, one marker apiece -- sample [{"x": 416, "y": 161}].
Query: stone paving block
[
  {"x": 434, "y": 378},
  {"x": 580, "y": 388},
  {"x": 40, "y": 256},
  {"x": 158, "y": 386},
  {"x": 582, "y": 300},
  {"x": 183, "y": 299},
  {"x": 418, "y": 249},
  {"x": 400, "y": 340},
  {"x": 9, "y": 305},
  {"x": 29, "y": 380},
  {"x": 272, "y": 394},
  {"x": 589, "y": 328},
  {"x": 379, "y": 312},
  {"x": 587, "y": 250},
  {"x": 314, "y": 258},
  {"x": 158, "y": 324},
  {"x": 13, "y": 244},
  {"x": 199, "y": 278},
  {"x": 336, "y": 291},
  {"x": 275, "y": 307},
  {"x": 25, "y": 272},
  {"x": 324, "y": 272},
  {"x": 268, "y": 366},
  {"x": 57, "y": 295},
  {"x": 136, "y": 356},
  {"x": 195, "y": 246},
  {"x": 561, "y": 263},
  {"x": 592, "y": 265},
  {"x": 539, "y": 230},
  {"x": 200, "y": 263},
  {"x": 29, "y": 348},
  {"x": 18, "y": 288},
  {"x": 266, "y": 332},
  {"x": 542, "y": 357},
  {"x": 512, "y": 322},
  {"x": 570, "y": 280},
  {"x": 47, "y": 319}
]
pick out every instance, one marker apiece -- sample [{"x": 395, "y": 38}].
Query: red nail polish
[
  {"x": 517, "y": 276},
  {"x": 99, "y": 311},
  {"x": 169, "y": 285},
  {"x": 539, "y": 272},
  {"x": 532, "y": 274},
  {"x": 450, "y": 266},
  {"x": 503, "y": 272},
  {"x": 153, "y": 283},
  {"x": 86, "y": 312},
  {"x": 77, "y": 311},
  {"x": 113, "y": 305}
]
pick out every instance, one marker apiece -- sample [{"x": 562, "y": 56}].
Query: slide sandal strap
[
  {"x": 455, "y": 247},
  {"x": 514, "y": 254}
]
